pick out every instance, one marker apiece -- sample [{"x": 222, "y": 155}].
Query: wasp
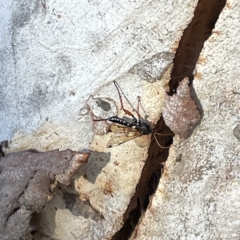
[{"x": 126, "y": 129}]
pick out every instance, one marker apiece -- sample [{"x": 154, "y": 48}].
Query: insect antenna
[{"x": 161, "y": 134}]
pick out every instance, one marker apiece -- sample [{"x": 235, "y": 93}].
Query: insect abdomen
[{"x": 118, "y": 120}]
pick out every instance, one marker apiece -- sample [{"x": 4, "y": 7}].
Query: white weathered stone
[{"x": 56, "y": 57}]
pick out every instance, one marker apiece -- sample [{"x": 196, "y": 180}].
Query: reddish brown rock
[
  {"x": 180, "y": 111},
  {"x": 25, "y": 185}
]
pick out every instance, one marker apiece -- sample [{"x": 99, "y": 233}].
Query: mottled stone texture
[
  {"x": 152, "y": 69},
  {"x": 58, "y": 62},
  {"x": 25, "y": 185},
  {"x": 180, "y": 111}
]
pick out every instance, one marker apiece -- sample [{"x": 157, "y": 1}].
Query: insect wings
[{"x": 122, "y": 134}]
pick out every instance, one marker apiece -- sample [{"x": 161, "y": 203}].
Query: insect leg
[
  {"x": 140, "y": 103},
  {"x": 120, "y": 97},
  {"x": 138, "y": 108}
]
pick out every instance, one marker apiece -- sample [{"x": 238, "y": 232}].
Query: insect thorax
[{"x": 143, "y": 127}]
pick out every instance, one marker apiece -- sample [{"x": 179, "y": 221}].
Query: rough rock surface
[
  {"x": 198, "y": 195},
  {"x": 25, "y": 186},
  {"x": 58, "y": 63},
  {"x": 59, "y": 60},
  {"x": 180, "y": 111}
]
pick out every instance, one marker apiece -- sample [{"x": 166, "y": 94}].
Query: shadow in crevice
[
  {"x": 148, "y": 182},
  {"x": 192, "y": 41}
]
